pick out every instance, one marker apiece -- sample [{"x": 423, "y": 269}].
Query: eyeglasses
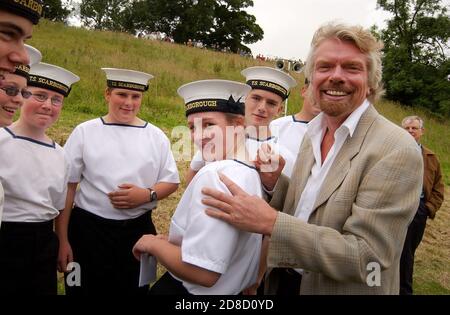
[
  {"x": 14, "y": 91},
  {"x": 42, "y": 97}
]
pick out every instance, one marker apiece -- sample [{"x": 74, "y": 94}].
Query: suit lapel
[
  {"x": 300, "y": 175},
  {"x": 341, "y": 164},
  {"x": 306, "y": 163}
]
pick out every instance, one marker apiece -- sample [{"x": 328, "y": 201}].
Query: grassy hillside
[{"x": 85, "y": 52}]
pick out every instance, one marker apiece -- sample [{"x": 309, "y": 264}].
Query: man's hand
[
  {"x": 245, "y": 212},
  {"x": 129, "y": 196},
  {"x": 269, "y": 165}
]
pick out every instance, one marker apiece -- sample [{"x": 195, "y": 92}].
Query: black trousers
[
  {"x": 412, "y": 241},
  {"x": 289, "y": 281},
  {"x": 168, "y": 285},
  {"x": 28, "y": 258},
  {"x": 103, "y": 250}
]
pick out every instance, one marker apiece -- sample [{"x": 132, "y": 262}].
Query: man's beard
[{"x": 333, "y": 109}]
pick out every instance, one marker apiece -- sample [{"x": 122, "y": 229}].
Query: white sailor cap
[
  {"x": 34, "y": 54},
  {"x": 214, "y": 96},
  {"x": 52, "y": 77},
  {"x": 127, "y": 79},
  {"x": 35, "y": 57},
  {"x": 269, "y": 79},
  {"x": 30, "y": 9}
]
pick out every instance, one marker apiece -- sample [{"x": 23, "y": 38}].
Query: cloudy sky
[{"x": 290, "y": 24}]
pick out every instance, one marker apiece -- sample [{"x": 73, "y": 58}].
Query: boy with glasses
[
  {"x": 13, "y": 89},
  {"x": 12, "y": 93},
  {"x": 34, "y": 172}
]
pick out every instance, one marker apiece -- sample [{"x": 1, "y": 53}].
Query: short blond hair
[{"x": 361, "y": 38}]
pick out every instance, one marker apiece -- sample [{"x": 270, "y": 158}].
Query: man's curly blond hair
[{"x": 361, "y": 38}]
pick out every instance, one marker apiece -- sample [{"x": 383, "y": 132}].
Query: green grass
[
  {"x": 436, "y": 136},
  {"x": 85, "y": 52},
  {"x": 432, "y": 259}
]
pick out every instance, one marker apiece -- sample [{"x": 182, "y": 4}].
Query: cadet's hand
[
  {"x": 145, "y": 245},
  {"x": 245, "y": 212},
  {"x": 65, "y": 256},
  {"x": 251, "y": 290},
  {"x": 269, "y": 165},
  {"x": 162, "y": 237},
  {"x": 129, "y": 196}
]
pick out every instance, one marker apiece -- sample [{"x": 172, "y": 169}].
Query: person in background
[
  {"x": 344, "y": 213},
  {"x": 290, "y": 130},
  {"x": 123, "y": 166},
  {"x": 34, "y": 171},
  {"x": 431, "y": 199}
]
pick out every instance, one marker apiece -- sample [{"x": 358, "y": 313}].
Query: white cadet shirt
[
  {"x": 290, "y": 132},
  {"x": 210, "y": 243},
  {"x": 253, "y": 146},
  {"x": 34, "y": 176},
  {"x": 103, "y": 156}
]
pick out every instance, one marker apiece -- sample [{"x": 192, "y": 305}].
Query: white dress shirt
[
  {"x": 319, "y": 171},
  {"x": 316, "y": 131}
]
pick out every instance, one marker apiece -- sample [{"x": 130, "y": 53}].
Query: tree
[
  {"x": 233, "y": 26},
  {"x": 54, "y": 10},
  {"x": 107, "y": 14},
  {"x": 157, "y": 15},
  {"x": 416, "y": 61},
  {"x": 222, "y": 23}
]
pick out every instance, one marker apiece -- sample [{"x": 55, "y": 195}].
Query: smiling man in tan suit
[{"x": 343, "y": 216}]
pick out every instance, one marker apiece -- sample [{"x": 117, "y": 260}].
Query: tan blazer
[{"x": 361, "y": 214}]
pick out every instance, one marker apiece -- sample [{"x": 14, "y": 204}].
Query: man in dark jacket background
[{"x": 430, "y": 201}]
